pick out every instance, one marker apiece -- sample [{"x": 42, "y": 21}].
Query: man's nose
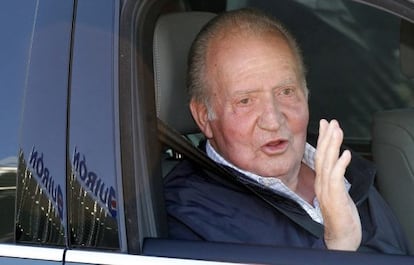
[{"x": 271, "y": 117}]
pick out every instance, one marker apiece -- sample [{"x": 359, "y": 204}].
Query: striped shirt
[{"x": 276, "y": 185}]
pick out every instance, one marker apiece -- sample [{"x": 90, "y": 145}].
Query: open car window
[{"x": 352, "y": 54}]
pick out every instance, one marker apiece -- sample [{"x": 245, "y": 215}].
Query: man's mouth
[{"x": 275, "y": 147}]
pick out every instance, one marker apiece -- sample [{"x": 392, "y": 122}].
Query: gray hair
[{"x": 243, "y": 21}]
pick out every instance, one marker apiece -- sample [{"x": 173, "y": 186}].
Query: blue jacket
[{"x": 204, "y": 206}]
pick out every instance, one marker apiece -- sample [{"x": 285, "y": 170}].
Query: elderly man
[{"x": 249, "y": 97}]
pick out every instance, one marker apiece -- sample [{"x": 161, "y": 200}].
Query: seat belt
[{"x": 176, "y": 141}]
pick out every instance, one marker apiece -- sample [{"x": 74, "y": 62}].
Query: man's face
[{"x": 261, "y": 111}]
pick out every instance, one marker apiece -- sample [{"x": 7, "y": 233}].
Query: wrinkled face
[{"x": 261, "y": 111}]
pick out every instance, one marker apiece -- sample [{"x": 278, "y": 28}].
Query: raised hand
[{"x": 341, "y": 219}]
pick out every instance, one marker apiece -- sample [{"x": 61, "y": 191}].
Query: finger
[
  {"x": 333, "y": 146},
  {"x": 319, "y": 155},
  {"x": 335, "y": 187},
  {"x": 323, "y": 134},
  {"x": 337, "y": 133},
  {"x": 323, "y": 124},
  {"x": 321, "y": 143},
  {"x": 338, "y": 171},
  {"x": 325, "y": 156}
]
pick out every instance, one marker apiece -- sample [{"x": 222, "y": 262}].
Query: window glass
[
  {"x": 94, "y": 197},
  {"x": 352, "y": 54},
  {"x": 41, "y": 197},
  {"x": 13, "y": 54}
]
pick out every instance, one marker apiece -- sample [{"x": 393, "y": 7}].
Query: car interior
[
  {"x": 393, "y": 153},
  {"x": 393, "y": 145},
  {"x": 173, "y": 36},
  {"x": 392, "y": 131}
]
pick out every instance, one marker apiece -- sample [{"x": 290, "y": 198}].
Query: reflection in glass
[{"x": 38, "y": 217}]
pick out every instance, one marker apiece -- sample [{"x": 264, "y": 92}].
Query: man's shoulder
[
  {"x": 184, "y": 173},
  {"x": 188, "y": 173}
]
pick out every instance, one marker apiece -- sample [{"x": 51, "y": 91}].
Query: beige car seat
[{"x": 393, "y": 152}]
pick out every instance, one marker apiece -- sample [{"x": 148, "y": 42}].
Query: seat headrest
[
  {"x": 407, "y": 48},
  {"x": 173, "y": 36}
]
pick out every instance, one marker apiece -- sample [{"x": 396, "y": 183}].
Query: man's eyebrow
[
  {"x": 286, "y": 82},
  {"x": 246, "y": 91},
  {"x": 283, "y": 83}
]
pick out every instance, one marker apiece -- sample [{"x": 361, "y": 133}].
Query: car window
[
  {"x": 41, "y": 186},
  {"x": 95, "y": 207},
  {"x": 352, "y": 53},
  {"x": 14, "y": 51}
]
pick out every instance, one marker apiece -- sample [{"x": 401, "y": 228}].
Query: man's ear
[{"x": 200, "y": 115}]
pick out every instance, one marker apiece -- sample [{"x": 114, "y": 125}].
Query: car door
[
  {"x": 95, "y": 197},
  {"x": 35, "y": 79},
  {"x": 66, "y": 160}
]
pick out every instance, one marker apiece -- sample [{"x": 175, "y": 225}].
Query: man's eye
[
  {"x": 287, "y": 92},
  {"x": 244, "y": 101}
]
